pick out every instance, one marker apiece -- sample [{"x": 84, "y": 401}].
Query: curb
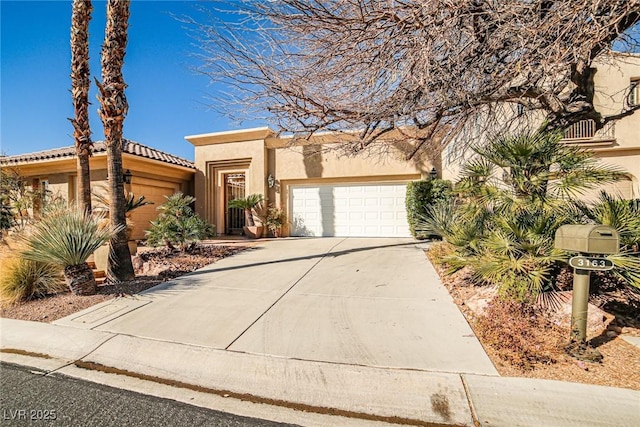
[{"x": 397, "y": 396}]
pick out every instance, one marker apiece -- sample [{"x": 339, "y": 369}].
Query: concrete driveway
[{"x": 374, "y": 302}]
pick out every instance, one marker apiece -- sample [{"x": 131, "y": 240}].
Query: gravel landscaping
[
  {"x": 152, "y": 266},
  {"x": 620, "y": 366}
]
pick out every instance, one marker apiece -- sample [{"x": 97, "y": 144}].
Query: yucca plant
[{"x": 67, "y": 237}]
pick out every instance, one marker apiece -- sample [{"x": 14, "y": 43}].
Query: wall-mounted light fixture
[
  {"x": 271, "y": 181},
  {"x": 433, "y": 174},
  {"x": 126, "y": 177}
]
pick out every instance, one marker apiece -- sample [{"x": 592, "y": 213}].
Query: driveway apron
[{"x": 375, "y": 302}]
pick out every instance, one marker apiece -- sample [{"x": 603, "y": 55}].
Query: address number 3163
[{"x": 591, "y": 263}]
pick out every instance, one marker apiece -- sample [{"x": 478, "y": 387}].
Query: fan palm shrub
[
  {"x": 131, "y": 203},
  {"x": 67, "y": 237},
  {"x": 177, "y": 224},
  {"x": 624, "y": 216},
  {"x": 247, "y": 204},
  {"x": 513, "y": 195}
]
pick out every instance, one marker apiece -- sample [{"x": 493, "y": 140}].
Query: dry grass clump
[
  {"x": 438, "y": 251},
  {"x": 23, "y": 279},
  {"x": 521, "y": 335}
]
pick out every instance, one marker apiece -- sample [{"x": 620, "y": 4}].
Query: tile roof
[{"x": 130, "y": 147}]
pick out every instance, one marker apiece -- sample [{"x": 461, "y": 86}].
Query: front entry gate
[{"x": 234, "y": 189}]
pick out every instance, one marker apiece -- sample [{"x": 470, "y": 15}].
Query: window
[{"x": 634, "y": 91}]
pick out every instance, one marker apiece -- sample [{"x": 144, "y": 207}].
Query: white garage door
[{"x": 365, "y": 210}]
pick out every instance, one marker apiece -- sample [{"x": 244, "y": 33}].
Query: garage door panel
[{"x": 349, "y": 210}]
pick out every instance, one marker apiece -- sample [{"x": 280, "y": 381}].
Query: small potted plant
[
  {"x": 275, "y": 220},
  {"x": 248, "y": 204}
]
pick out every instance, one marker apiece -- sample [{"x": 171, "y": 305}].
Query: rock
[
  {"x": 615, "y": 328},
  {"x": 560, "y": 314},
  {"x": 137, "y": 262},
  {"x": 478, "y": 302},
  {"x": 611, "y": 334}
]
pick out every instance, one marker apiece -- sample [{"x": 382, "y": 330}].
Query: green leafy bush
[
  {"x": 420, "y": 196},
  {"x": 177, "y": 224},
  {"x": 275, "y": 219},
  {"x": 7, "y": 217}
]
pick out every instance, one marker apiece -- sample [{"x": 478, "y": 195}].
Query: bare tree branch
[{"x": 435, "y": 66}]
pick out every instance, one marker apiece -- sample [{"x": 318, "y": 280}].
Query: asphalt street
[{"x": 28, "y": 398}]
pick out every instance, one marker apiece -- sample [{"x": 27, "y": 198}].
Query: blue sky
[{"x": 166, "y": 99}]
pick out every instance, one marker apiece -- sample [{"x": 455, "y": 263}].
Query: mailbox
[{"x": 591, "y": 239}]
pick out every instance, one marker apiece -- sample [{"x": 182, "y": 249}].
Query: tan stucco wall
[
  {"x": 213, "y": 161},
  {"x": 304, "y": 162},
  {"x": 612, "y": 82},
  {"x": 152, "y": 179}
]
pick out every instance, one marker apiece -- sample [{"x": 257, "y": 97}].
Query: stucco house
[
  {"x": 153, "y": 174},
  {"x": 325, "y": 194},
  {"x": 322, "y": 192},
  {"x": 617, "y": 85}
]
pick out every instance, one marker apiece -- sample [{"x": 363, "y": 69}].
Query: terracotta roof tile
[{"x": 130, "y": 147}]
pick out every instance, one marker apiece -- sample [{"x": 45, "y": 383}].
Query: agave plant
[
  {"x": 67, "y": 237},
  {"x": 247, "y": 204}
]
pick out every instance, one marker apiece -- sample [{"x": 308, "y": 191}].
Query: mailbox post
[{"x": 587, "y": 240}]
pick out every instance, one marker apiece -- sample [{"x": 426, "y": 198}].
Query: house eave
[{"x": 252, "y": 134}]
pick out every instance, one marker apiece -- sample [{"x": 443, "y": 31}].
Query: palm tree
[
  {"x": 113, "y": 109},
  {"x": 80, "y": 82},
  {"x": 247, "y": 204},
  {"x": 67, "y": 237}
]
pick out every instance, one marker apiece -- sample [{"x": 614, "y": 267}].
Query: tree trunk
[
  {"x": 80, "y": 279},
  {"x": 80, "y": 94},
  {"x": 113, "y": 110}
]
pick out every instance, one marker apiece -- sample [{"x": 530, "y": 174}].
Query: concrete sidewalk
[{"x": 359, "y": 329}]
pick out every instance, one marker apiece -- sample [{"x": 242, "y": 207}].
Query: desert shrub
[
  {"x": 7, "y": 217},
  {"x": 275, "y": 219},
  {"x": 421, "y": 195},
  {"x": 520, "y": 335},
  {"x": 24, "y": 279},
  {"x": 512, "y": 197},
  {"x": 67, "y": 237},
  {"x": 439, "y": 250},
  {"x": 177, "y": 224}
]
